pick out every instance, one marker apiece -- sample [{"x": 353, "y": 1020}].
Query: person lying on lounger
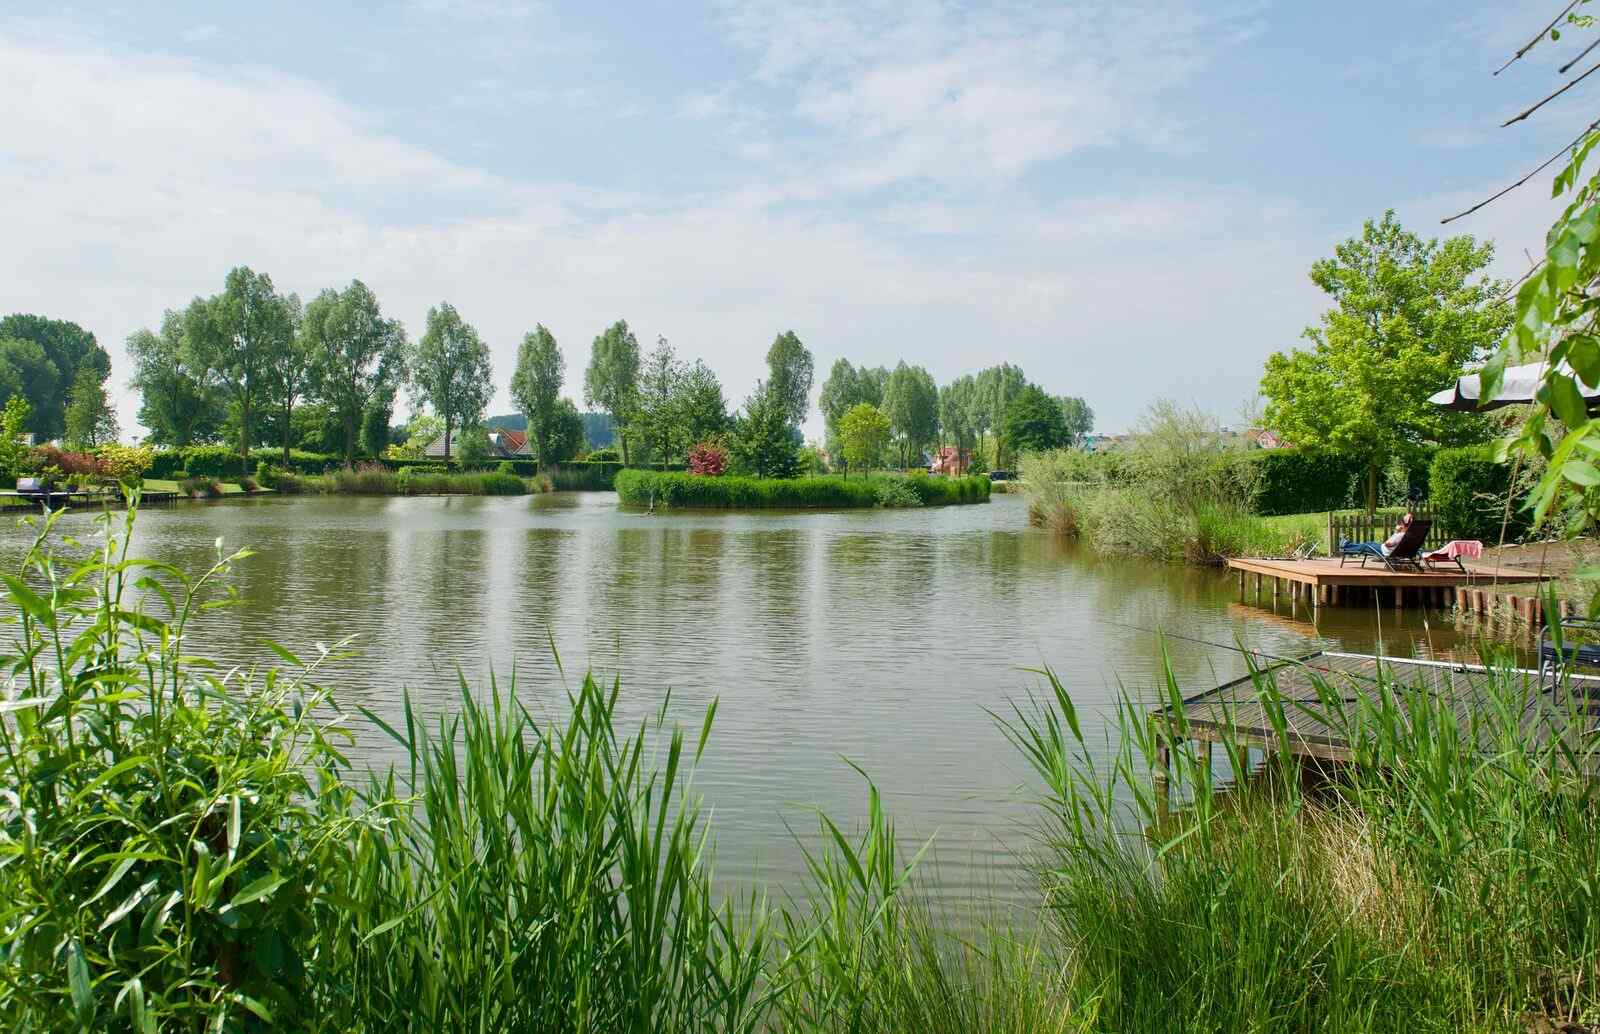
[{"x": 1385, "y": 547}]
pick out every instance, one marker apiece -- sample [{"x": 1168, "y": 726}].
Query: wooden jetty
[
  {"x": 79, "y": 499},
  {"x": 1315, "y": 728},
  {"x": 1323, "y": 581}
]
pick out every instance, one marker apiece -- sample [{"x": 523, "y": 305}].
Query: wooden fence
[{"x": 1359, "y": 527}]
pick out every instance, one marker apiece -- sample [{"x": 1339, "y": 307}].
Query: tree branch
[
  {"x": 1553, "y": 96},
  {"x": 1581, "y": 55},
  {"x": 1535, "y": 41},
  {"x": 1542, "y": 166}
]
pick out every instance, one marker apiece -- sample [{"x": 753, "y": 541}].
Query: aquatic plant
[{"x": 671, "y": 489}]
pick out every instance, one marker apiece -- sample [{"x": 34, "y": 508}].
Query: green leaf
[
  {"x": 1581, "y": 472},
  {"x": 29, "y": 601},
  {"x": 288, "y": 657},
  {"x": 78, "y": 983},
  {"x": 259, "y": 889},
  {"x": 129, "y": 904},
  {"x": 1566, "y": 400},
  {"x": 117, "y": 872}
]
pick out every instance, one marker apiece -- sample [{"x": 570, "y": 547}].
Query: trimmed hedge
[
  {"x": 674, "y": 489},
  {"x": 222, "y": 461},
  {"x": 1305, "y": 480},
  {"x": 1469, "y": 495}
]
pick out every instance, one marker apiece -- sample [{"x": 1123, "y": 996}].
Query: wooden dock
[
  {"x": 78, "y": 500},
  {"x": 1319, "y": 723},
  {"x": 1323, "y": 581}
]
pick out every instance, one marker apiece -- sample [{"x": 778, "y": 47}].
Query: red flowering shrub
[
  {"x": 71, "y": 464},
  {"x": 708, "y": 459}
]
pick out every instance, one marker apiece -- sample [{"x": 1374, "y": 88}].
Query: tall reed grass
[
  {"x": 186, "y": 847},
  {"x": 377, "y": 479},
  {"x": 670, "y": 489}
]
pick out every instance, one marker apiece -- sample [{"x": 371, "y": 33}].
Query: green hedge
[
  {"x": 1468, "y": 492},
  {"x": 593, "y": 476},
  {"x": 674, "y": 489},
  {"x": 1304, "y": 480},
  {"x": 222, "y": 461}
]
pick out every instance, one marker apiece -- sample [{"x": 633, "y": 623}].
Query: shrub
[
  {"x": 201, "y": 487},
  {"x": 708, "y": 459},
  {"x": 500, "y": 484},
  {"x": 365, "y": 479},
  {"x": 605, "y": 454},
  {"x": 249, "y": 484},
  {"x": 1301, "y": 480},
  {"x": 506, "y": 467},
  {"x": 124, "y": 465},
  {"x": 1468, "y": 491},
  {"x": 895, "y": 493}
]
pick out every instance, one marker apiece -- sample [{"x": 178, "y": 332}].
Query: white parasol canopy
[{"x": 1520, "y": 385}]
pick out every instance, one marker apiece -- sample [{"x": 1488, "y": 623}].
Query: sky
[{"x": 1122, "y": 198}]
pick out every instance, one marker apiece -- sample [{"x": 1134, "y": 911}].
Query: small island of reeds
[{"x": 656, "y": 489}]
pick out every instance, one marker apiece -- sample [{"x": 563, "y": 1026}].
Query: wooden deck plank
[{"x": 1326, "y": 572}]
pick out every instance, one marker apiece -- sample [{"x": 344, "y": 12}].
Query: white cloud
[{"x": 956, "y": 95}]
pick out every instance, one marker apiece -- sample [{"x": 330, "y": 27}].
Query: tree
[
  {"x": 90, "y": 419},
  {"x": 375, "y": 424},
  {"x": 762, "y": 444},
  {"x": 702, "y": 410},
  {"x": 612, "y": 379},
  {"x": 235, "y": 336},
  {"x": 911, "y": 402},
  {"x": 13, "y": 426},
  {"x": 422, "y": 430},
  {"x": 474, "y": 446},
  {"x": 1034, "y": 423},
  {"x": 27, "y": 373},
  {"x": 1409, "y": 316},
  {"x": 995, "y": 388},
  {"x": 356, "y": 357},
  {"x": 656, "y": 418},
  {"x": 955, "y": 416},
  {"x": 1078, "y": 416},
  {"x": 863, "y": 433},
  {"x": 847, "y": 387},
  {"x": 63, "y": 348},
  {"x": 789, "y": 374},
  {"x": 566, "y": 433},
  {"x": 450, "y": 371},
  {"x": 536, "y": 387},
  {"x": 175, "y": 402},
  {"x": 289, "y": 373}
]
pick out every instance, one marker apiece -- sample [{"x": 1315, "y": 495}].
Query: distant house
[
  {"x": 1265, "y": 439},
  {"x": 949, "y": 461},
  {"x": 1104, "y": 442},
  {"x": 503, "y": 445}
]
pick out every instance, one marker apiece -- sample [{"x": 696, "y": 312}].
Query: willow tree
[{"x": 235, "y": 337}]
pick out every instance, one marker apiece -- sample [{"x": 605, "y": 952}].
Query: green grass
[
  {"x": 646, "y": 488},
  {"x": 184, "y": 846}
]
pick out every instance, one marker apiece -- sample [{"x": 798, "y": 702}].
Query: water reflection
[{"x": 880, "y": 637}]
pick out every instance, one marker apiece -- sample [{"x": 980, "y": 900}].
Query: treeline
[
  {"x": 60, "y": 371},
  {"x": 869, "y": 411}
]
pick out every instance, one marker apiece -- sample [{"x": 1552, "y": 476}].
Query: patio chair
[
  {"x": 1580, "y": 647},
  {"x": 1404, "y": 557}
]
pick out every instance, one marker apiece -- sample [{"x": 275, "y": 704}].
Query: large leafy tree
[
  {"x": 1408, "y": 316},
  {"x": 566, "y": 432},
  {"x": 863, "y": 433},
  {"x": 176, "y": 402},
  {"x": 702, "y": 408},
  {"x": 356, "y": 356},
  {"x": 48, "y": 375},
  {"x": 1034, "y": 423},
  {"x": 236, "y": 336},
  {"x": 848, "y": 386},
  {"x": 763, "y": 443},
  {"x": 657, "y": 420},
  {"x": 612, "y": 379},
  {"x": 450, "y": 371},
  {"x": 1078, "y": 416},
  {"x": 789, "y": 375},
  {"x": 992, "y": 393},
  {"x": 955, "y": 414},
  {"x": 90, "y": 419},
  {"x": 536, "y": 387},
  {"x": 289, "y": 376},
  {"x": 911, "y": 402}
]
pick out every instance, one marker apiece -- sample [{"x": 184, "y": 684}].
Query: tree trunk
[
  {"x": 288, "y": 434},
  {"x": 624, "y": 440},
  {"x": 349, "y": 439},
  {"x": 447, "y": 441},
  {"x": 244, "y": 436},
  {"x": 1372, "y": 487}
]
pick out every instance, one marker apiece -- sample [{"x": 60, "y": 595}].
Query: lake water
[{"x": 880, "y": 637}]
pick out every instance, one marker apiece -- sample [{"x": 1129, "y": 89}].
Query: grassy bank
[
  {"x": 184, "y": 846},
  {"x": 664, "y": 489}
]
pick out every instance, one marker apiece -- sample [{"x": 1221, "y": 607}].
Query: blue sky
[{"x": 1123, "y": 199}]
